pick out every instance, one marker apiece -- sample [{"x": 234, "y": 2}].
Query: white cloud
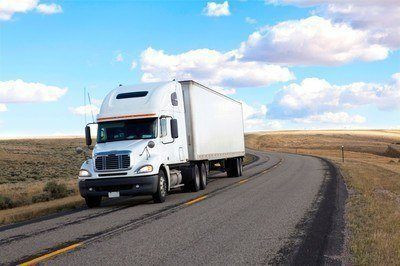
[
  {"x": 119, "y": 58},
  {"x": 380, "y": 18},
  {"x": 313, "y": 97},
  {"x": 85, "y": 110},
  {"x": 250, "y": 20},
  {"x": 19, "y": 91},
  {"x": 9, "y": 7},
  {"x": 332, "y": 118},
  {"x": 311, "y": 41},
  {"x": 250, "y": 112},
  {"x": 255, "y": 118},
  {"x": 133, "y": 64},
  {"x": 259, "y": 124},
  {"x": 210, "y": 67},
  {"x": 49, "y": 9},
  {"x": 3, "y": 107},
  {"x": 216, "y": 10}
]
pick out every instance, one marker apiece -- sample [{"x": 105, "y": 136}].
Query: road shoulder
[{"x": 320, "y": 236}]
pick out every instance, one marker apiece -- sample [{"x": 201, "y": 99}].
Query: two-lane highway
[{"x": 234, "y": 221}]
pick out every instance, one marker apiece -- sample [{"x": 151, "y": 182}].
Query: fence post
[{"x": 342, "y": 153}]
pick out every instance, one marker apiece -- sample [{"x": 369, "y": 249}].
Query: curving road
[{"x": 254, "y": 219}]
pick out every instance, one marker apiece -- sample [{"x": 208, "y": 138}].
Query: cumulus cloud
[
  {"x": 380, "y": 18},
  {"x": 214, "y": 9},
  {"x": 49, "y": 9},
  {"x": 19, "y": 91},
  {"x": 311, "y": 41},
  {"x": 314, "y": 97},
  {"x": 255, "y": 118},
  {"x": 210, "y": 67},
  {"x": 9, "y": 7},
  {"x": 85, "y": 110},
  {"x": 332, "y": 118},
  {"x": 3, "y": 107}
]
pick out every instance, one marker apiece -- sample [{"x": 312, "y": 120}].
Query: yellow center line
[
  {"x": 51, "y": 254},
  {"x": 195, "y": 200},
  {"x": 243, "y": 181}
]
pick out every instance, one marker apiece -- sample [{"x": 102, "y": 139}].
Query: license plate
[{"x": 113, "y": 194}]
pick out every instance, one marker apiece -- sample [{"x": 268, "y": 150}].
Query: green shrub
[
  {"x": 41, "y": 197},
  {"x": 56, "y": 190},
  {"x": 5, "y": 203}
]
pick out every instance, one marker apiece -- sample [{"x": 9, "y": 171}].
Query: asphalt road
[{"x": 254, "y": 219}]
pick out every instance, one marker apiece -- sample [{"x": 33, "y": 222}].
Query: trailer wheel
[
  {"x": 93, "y": 201},
  {"x": 240, "y": 166},
  {"x": 195, "y": 179},
  {"x": 191, "y": 176},
  {"x": 203, "y": 175},
  {"x": 161, "y": 193},
  {"x": 233, "y": 167}
]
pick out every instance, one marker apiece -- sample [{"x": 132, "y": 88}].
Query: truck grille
[{"x": 112, "y": 162}]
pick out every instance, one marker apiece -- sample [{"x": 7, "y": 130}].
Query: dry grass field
[
  {"x": 372, "y": 175},
  {"x": 36, "y": 172}
]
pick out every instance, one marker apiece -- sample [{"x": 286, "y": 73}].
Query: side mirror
[
  {"x": 88, "y": 136},
  {"x": 174, "y": 128},
  {"x": 151, "y": 144}
]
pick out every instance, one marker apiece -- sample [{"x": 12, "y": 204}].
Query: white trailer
[
  {"x": 214, "y": 123},
  {"x": 155, "y": 137}
]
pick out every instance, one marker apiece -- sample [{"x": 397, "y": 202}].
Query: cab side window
[{"x": 163, "y": 127}]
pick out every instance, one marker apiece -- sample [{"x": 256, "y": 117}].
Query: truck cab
[{"x": 141, "y": 131}]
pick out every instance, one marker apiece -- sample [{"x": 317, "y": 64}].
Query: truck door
[{"x": 171, "y": 146}]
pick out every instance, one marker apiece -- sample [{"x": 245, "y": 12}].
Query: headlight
[
  {"x": 84, "y": 173},
  {"x": 145, "y": 169}
]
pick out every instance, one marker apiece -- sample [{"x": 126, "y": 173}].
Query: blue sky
[{"x": 306, "y": 66}]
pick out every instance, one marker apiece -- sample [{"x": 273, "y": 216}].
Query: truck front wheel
[
  {"x": 161, "y": 193},
  {"x": 93, "y": 201}
]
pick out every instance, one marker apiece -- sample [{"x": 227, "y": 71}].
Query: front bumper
[{"x": 127, "y": 186}]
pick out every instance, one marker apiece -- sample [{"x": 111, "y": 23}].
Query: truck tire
[
  {"x": 161, "y": 193},
  {"x": 240, "y": 166},
  {"x": 233, "y": 167},
  {"x": 203, "y": 176},
  {"x": 93, "y": 201},
  {"x": 191, "y": 177},
  {"x": 195, "y": 179}
]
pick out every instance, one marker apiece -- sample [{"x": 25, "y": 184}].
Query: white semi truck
[{"x": 155, "y": 137}]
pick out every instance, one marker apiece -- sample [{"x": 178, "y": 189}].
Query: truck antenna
[
  {"x": 84, "y": 103},
  {"x": 91, "y": 109}
]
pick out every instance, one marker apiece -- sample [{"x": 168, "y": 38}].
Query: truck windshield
[{"x": 127, "y": 130}]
